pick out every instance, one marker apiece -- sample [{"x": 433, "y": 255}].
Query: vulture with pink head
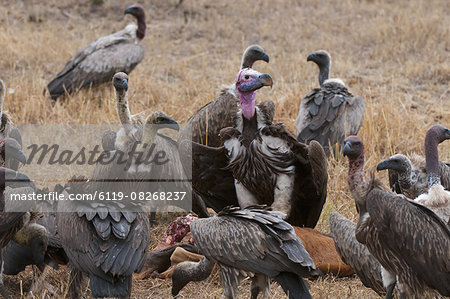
[
  {"x": 203, "y": 126},
  {"x": 329, "y": 113},
  {"x": 410, "y": 241},
  {"x": 99, "y": 61},
  {"x": 261, "y": 162}
]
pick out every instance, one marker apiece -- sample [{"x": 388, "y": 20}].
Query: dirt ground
[{"x": 395, "y": 54}]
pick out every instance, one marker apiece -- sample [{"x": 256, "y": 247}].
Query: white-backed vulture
[
  {"x": 252, "y": 242},
  {"x": 11, "y": 222},
  {"x": 107, "y": 245},
  {"x": 355, "y": 254},
  {"x": 99, "y": 61},
  {"x": 408, "y": 176},
  {"x": 203, "y": 126},
  {"x": 329, "y": 113},
  {"x": 437, "y": 199},
  {"x": 261, "y": 162},
  {"x": 408, "y": 239},
  {"x": 7, "y": 127}
]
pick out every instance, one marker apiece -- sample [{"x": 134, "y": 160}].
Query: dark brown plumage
[
  {"x": 355, "y": 254},
  {"x": 250, "y": 242},
  {"x": 103, "y": 242},
  {"x": 329, "y": 113},
  {"x": 261, "y": 163},
  {"x": 98, "y": 62},
  {"x": 408, "y": 239}
]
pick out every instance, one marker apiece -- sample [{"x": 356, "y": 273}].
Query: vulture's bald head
[
  {"x": 438, "y": 134},
  {"x": 353, "y": 147},
  {"x": 120, "y": 82},
  {"x": 136, "y": 10},
  {"x": 320, "y": 57},
  {"x": 162, "y": 120},
  {"x": 397, "y": 162},
  {"x": 253, "y": 53}
]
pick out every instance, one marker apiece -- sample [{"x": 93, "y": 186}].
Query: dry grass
[{"x": 396, "y": 54}]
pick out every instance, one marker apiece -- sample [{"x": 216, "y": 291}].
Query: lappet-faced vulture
[
  {"x": 98, "y": 62},
  {"x": 205, "y": 124},
  {"x": 329, "y": 113},
  {"x": 8, "y": 129},
  {"x": 251, "y": 242},
  {"x": 105, "y": 243},
  {"x": 408, "y": 239},
  {"x": 261, "y": 162}
]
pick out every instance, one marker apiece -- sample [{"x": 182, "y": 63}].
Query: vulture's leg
[
  {"x": 245, "y": 197},
  {"x": 260, "y": 283},
  {"x": 75, "y": 283},
  {"x": 283, "y": 193},
  {"x": 152, "y": 217},
  {"x": 230, "y": 280}
]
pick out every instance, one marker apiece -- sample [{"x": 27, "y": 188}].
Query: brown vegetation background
[{"x": 395, "y": 54}]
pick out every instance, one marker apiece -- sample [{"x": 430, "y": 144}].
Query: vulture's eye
[{"x": 246, "y": 77}]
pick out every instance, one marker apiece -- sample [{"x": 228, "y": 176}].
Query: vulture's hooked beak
[
  {"x": 129, "y": 10},
  {"x": 390, "y": 163},
  {"x": 264, "y": 57},
  {"x": 447, "y": 134},
  {"x": 17, "y": 179},
  {"x": 311, "y": 57},
  {"x": 170, "y": 123},
  {"x": 125, "y": 84},
  {"x": 347, "y": 148},
  {"x": 15, "y": 153},
  {"x": 265, "y": 80}
]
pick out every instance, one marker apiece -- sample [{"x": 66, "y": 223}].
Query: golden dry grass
[{"x": 395, "y": 54}]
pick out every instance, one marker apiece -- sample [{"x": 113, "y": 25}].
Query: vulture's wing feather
[
  {"x": 252, "y": 241},
  {"x": 210, "y": 178},
  {"x": 430, "y": 245},
  {"x": 97, "y": 63},
  {"x": 204, "y": 126},
  {"x": 329, "y": 114},
  {"x": 105, "y": 255},
  {"x": 355, "y": 254}
]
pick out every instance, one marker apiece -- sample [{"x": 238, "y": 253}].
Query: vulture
[
  {"x": 103, "y": 241},
  {"x": 204, "y": 125},
  {"x": 356, "y": 255},
  {"x": 409, "y": 240},
  {"x": 329, "y": 113},
  {"x": 11, "y": 182},
  {"x": 8, "y": 129},
  {"x": 261, "y": 162},
  {"x": 252, "y": 242},
  {"x": 11, "y": 153},
  {"x": 408, "y": 175},
  {"x": 99, "y": 61},
  {"x": 437, "y": 199}
]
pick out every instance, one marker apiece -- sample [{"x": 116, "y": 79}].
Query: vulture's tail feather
[
  {"x": 293, "y": 285},
  {"x": 101, "y": 288}
]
